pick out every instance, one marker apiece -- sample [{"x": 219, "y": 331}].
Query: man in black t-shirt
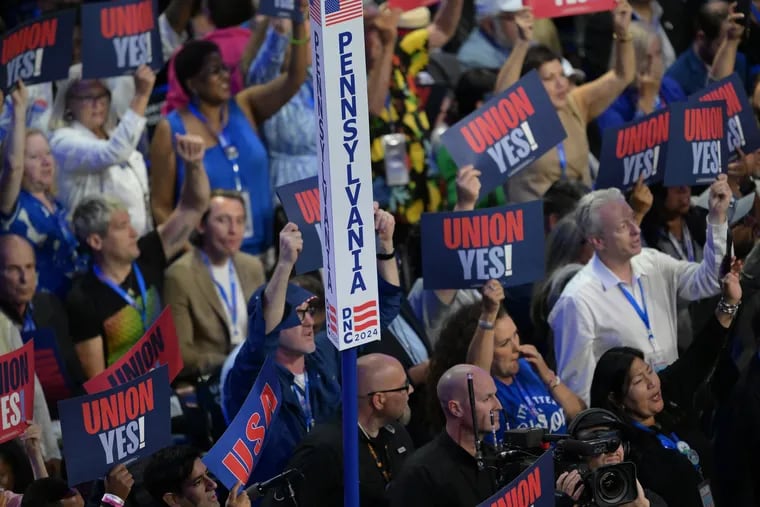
[
  {"x": 445, "y": 471},
  {"x": 112, "y": 305}
]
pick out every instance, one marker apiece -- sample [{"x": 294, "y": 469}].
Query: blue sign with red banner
[
  {"x": 120, "y": 425},
  {"x": 636, "y": 149},
  {"x": 742, "y": 131},
  {"x": 697, "y": 144},
  {"x": 39, "y": 51},
  {"x": 120, "y": 36},
  {"x": 301, "y": 203},
  {"x": 466, "y": 249},
  {"x": 235, "y": 455},
  {"x": 51, "y": 369},
  {"x": 508, "y": 133},
  {"x": 534, "y": 487}
]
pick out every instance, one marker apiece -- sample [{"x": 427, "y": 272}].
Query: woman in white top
[{"x": 97, "y": 156}]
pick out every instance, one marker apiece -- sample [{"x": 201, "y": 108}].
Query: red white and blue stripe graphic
[
  {"x": 336, "y": 11},
  {"x": 332, "y": 319},
  {"x": 365, "y": 316}
]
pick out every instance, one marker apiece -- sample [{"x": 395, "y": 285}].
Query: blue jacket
[{"x": 323, "y": 372}]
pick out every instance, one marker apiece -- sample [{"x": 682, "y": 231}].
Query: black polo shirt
[
  {"x": 441, "y": 474},
  {"x": 319, "y": 458}
]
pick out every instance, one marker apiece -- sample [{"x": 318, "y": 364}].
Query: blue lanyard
[
  {"x": 642, "y": 312},
  {"x": 674, "y": 443},
  {"x": 562, "y": 160},
  {"x": 687, "y": 243},
  {"x": 29, "y": 324},
  {"x": 230, "y": 150},
  {"x": 143, "y": 309},
  {"x": 303, "y": 400},
  {"x": 231, "y": 305},
  {"x": 531, "y": 406}
]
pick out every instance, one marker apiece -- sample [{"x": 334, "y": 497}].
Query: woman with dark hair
[
  {"x": 15, "y": 471},
  {"x": 672, "y": 455},
  {"x": 235, "y": 157},
  {"x": 576, "y": 107}
]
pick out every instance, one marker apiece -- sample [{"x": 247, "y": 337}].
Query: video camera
[{"x": 608, "y": 485}]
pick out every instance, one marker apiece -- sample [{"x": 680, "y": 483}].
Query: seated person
[{"x": 208, "y": 288}]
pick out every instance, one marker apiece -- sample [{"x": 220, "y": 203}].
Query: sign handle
[{"x": 350, "y": 429}]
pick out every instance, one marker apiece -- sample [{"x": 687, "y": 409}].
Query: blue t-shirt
[
  {"x": 527, "y": 403},
  {"x": 55, "y": 246}
]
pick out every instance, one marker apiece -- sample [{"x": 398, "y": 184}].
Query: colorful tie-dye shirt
[{"x": 95, "y": 309}]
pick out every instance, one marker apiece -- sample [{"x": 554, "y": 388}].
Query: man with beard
[{"x": 384, "y": 443}]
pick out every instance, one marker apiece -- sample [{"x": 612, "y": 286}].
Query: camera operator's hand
[
  {"x": 570, "y": 483},
  {"x": 641, "y": 500}
]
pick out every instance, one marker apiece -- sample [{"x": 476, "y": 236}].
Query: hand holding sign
[
  {"x": 746, "y": 166},
  {"x": 144, "y": 78},
  {"x": 20, "y": 98},
  {"x": 524, "y": 21},
  {"x": 291, "y": 244},
  {"x": 493, "y": 295},
  {"x": 720, "y": 199},
  {"x": 238, "y": 497},
  {"x": 622, "y": 19},
  {"x": 119, "y": 482},
  {"x": 641, "y": 199},
  {"x": 468, "y": 188}
]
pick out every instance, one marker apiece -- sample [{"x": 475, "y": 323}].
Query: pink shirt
[{"x": 231, "y": 42}]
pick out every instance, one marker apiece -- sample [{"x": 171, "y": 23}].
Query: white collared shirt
[{"x": 593, "y": 315}]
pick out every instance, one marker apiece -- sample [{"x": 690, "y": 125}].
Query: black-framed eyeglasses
[
  {"x": 404, "y": 388},
  {"x": 94, "y": 99},
  {"x": 302, "y": 313}
]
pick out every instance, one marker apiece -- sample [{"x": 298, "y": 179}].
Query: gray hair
[
  {"x": 563, "y": 244},
  {"x": 93, "y": 214},
  {"x": 587, "y": 211}
]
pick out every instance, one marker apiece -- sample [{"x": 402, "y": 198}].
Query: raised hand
[
  {"x": 190, "y": 148},
  {"x": 119, "y": 482},
  {"x": 385, "y": 224},
  {"x": 720, "y": 199},
  {"x": 468, "y": 188},
  {"x": 641, "y": 199},
  {"x": 493, "y": 295},
  {"x": 291, "y": 244},
  {"x": 145, "y": 78},
  {"x": 622, "y": 18}
]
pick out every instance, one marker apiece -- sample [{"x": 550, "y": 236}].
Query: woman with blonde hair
[{"x": 28, "y": 206}]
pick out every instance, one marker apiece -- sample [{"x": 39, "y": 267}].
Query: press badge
[
  {"x": 396, "y": 171},
  {"x": 705, "y": 494},
  {"x": 248, "y": 214},
  {"x": 657, "y": 360}
]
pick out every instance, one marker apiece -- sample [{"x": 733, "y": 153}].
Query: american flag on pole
[
  {"x": 332, "y": 319},
  {"x": 336, "y": 11},
  {"x": 315, "y": 11},
  {"x": 365, "y": 316}
]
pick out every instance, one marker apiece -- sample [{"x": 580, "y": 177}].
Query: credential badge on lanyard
[{"x": 232, "y": 154}]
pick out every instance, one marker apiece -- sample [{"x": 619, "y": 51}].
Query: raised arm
[
  {"x": 13, "y": 170},
  {"x": 254, "y": 46},
  {"x": 480, "y": 351},
  {"x": 32, "y": 439},
  {"x": 381, "y": 65},
  {"x": 266, "y": 63},
  {"x": 595, "y": 97},
  {"x": 444, "y": 25},
  {"x": 725, "y": 57},
  {"x": 291, "y": 245},
  {"x": 193, "y": 199},
  {"x": 510, "y": 71},
  {"x": 262, "y": 101},
  {"x": 697, "y": 281},
  {"x": 85, "y": 154},
  {"x": 385, "y": 224},
  {"x": 163, "y": 172}
]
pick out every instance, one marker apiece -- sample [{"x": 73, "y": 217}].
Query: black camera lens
[{"x": 611, "y": 486}]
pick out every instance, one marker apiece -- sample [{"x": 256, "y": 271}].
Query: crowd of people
[{"x": 120, "y": 197}]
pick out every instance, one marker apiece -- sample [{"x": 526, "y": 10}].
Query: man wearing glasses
[
  {"x": 384, "y": 443},
  {"x": 281, "y": 324}
]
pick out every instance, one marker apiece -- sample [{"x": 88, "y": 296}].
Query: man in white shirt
[{"x": 626, "y": 295}]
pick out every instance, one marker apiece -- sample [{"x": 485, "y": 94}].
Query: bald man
[
  {"x": 384, "y": 443},
  {"x": 445, "y": 472},
  {"x": 19, "y": 306}
]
